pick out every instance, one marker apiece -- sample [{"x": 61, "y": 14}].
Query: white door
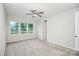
[{"x": 77, "y": 31}]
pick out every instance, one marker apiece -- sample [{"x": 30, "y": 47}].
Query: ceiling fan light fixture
[{"x": 35, "y": 13}]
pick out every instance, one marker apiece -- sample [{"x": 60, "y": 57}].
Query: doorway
[{"x": 45, "y": 30}]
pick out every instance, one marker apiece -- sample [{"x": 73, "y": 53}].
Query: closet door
[{"x": 77, "y": 31}]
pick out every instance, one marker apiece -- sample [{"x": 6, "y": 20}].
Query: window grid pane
[
  {"x": 14, "y": 27},
  {"x": 23, "y": 27},
  {"x": 30, "y": 28}
]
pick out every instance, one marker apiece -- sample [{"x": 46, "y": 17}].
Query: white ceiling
[{"x": 20, "y": 9}]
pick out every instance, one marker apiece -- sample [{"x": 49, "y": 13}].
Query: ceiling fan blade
[
  {"x": 29, "y": 14},
  {"x": 40, "y": 13},
  {"x": 33, "y": 16},
  {"x": 33, "y": 11}
]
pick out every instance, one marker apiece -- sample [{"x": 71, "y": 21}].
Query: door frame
[
  {"x": 45, "y": 30},
  {"x": 75, "y": 37}
]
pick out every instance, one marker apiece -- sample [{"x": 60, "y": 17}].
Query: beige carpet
[{"x": 36, "y": 47}]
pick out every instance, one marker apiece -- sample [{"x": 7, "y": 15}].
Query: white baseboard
[
  {"x": 19, "y": 40},
  {"x": 63, "y": 46}
]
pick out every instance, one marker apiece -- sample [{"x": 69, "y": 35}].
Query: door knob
[{"x": 75, "y": 36}]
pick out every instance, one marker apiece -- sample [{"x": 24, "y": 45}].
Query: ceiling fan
[{"x": 34, "y": 13}]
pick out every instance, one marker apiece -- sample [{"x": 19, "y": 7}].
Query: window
[
  {"x": 23, "y": 28},
  {"x": 14, "y": 27},
  {"x": 30, "y": 28}
]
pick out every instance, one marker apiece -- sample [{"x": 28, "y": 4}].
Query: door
[
  {"x": 45, "y": 30},
  {"x": 77, "y": 31}
]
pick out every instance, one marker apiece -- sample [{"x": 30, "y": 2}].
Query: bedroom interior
[{"x": 39, "y": 29}]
